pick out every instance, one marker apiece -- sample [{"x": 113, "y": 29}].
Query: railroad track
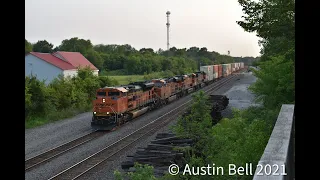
[
  {"x": 56, "y": 151},
  {"x": 85, "y": 166}
]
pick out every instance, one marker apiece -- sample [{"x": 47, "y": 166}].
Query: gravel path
[{"x": 239, "y": 95}]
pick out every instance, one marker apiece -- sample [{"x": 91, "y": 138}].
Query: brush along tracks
[
  {"x": 54, "y": 152},
  {"x": 85, "y": 167}
]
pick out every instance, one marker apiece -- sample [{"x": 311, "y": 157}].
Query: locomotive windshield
[
  {"x": 158, "y": 84},
  {"x": 101, "y": 93},
  {"x": 113, "y": 93}
]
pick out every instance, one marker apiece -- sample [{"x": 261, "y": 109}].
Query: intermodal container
[
  {"x": 233, "y": 67},
  {"x": 220, "y": 71},
  {"x": 215, "y": 71},
  {"x": 225, "y": 70},
  {"x": 208, "y": 70}
]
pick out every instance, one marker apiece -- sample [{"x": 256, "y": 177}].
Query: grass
[
  {"x": 126, "y": 79},
  {"x": 33, "y": 122},
  {"x": 123, "y": 80}
]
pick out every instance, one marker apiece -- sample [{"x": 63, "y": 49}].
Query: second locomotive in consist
[{"x": 115, "y": 106}]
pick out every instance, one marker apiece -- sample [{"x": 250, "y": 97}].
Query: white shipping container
[
  {"x": 208, "y": 70},
  {"x": 242, "y": 65}
]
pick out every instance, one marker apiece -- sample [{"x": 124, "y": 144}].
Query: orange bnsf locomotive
[{"x": 115, "y": 106}]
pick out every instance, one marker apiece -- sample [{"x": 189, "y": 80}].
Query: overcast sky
[{"x": 142, "y": 23}]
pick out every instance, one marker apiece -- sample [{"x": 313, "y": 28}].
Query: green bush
[
  {"x": 142, "y": 172},
  {"x": 275, "y": 83},
  {"x": 36, "y": 99}
]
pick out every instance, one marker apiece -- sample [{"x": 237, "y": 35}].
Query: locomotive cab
[{"x": 108, "y": 107}]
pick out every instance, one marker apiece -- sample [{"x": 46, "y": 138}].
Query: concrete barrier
[{"x": 277, "y": 161}]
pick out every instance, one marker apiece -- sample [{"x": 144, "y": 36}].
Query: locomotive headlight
[
  {"x": 107, "y": 112},
  {"x": 103, "y": 100},
  {"x": 94, "y": 112}
]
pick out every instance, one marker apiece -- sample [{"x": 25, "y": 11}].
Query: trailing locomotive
[{"x": 115, "y": 106}]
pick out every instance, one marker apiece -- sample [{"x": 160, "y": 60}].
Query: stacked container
[
  {"x": 225, "y": 70},
  {"x": 230, "y": 69},
  {"x": 219, "y": 71},
  {"x": 233, "y": 67},
  {"x": 241, "y": 65},
  {"x": 209, "y": 72},
  {"x": 215, "y": 71}
]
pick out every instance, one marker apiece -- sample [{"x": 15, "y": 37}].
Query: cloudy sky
[{"x": 142, "y": 23}]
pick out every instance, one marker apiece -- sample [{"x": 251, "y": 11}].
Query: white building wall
[
  {"x": 74, "y": 72},
  {"x": 96, "y": 72},
  {"x": 71, "y": 73}
]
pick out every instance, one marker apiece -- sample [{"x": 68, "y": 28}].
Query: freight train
[{"x": 115, "y": 106}]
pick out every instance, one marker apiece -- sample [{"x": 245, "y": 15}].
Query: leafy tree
[
  {"x": 43, "y": 46},
  {"x": 146, "y": 50},
  {"x": 38, "y": 102},
  {"x": 76, "y": 45},
  {"x": 125, "y": 49},
  {"x": 193, "y": 51},
  {"x": 27, "y": 46},
  {"x": 275, "y": 83},
  {"x": 269, "y": 18},
  {"x": 181, "y": 52},
  {"x": 273, "y": 21},
  {"x": 95, "y": 58},
  {"x": 160, "y": 51}
]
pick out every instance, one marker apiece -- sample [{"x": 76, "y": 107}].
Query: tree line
[{"x": 126, "y": 60}]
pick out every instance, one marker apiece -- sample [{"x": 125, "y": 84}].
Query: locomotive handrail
[{"x": 116, "y": 114}]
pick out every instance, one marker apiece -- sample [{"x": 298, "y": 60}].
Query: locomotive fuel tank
[
  {"x": 139, "y": 112},
  {"x": 172, "y": 98}
]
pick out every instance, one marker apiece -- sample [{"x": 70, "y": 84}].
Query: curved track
[
  {"x": 85, "y": 166},
  {"x": 54, "y": 152}
]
